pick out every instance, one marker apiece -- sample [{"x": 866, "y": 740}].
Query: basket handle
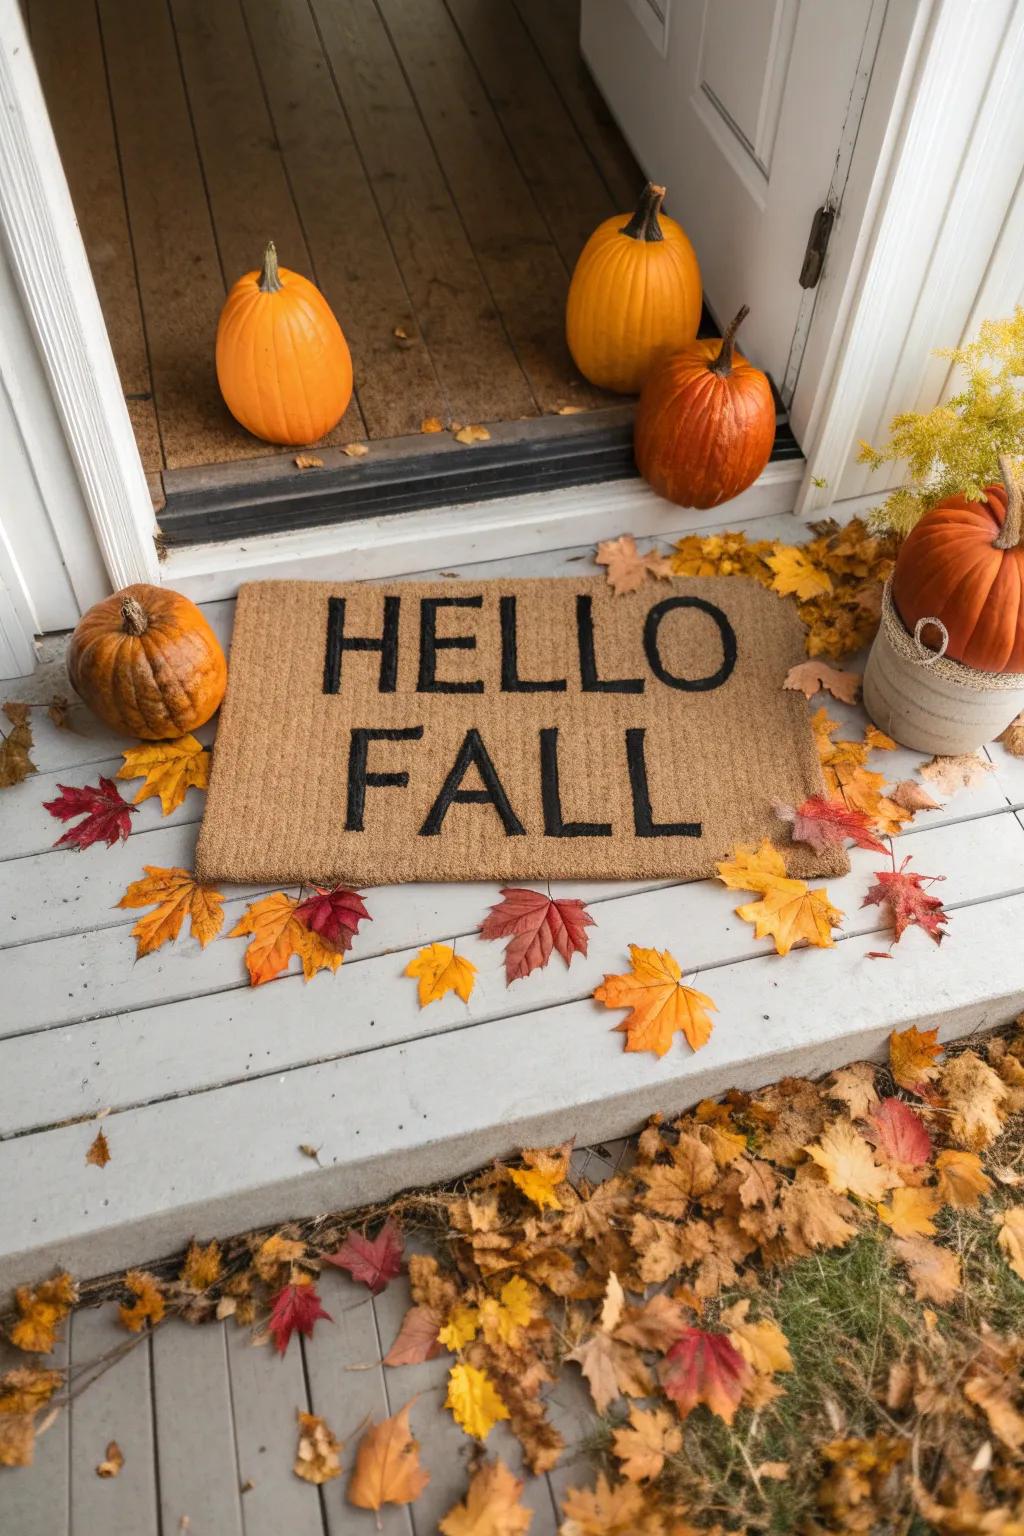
[{"x": 925, "y": 654}]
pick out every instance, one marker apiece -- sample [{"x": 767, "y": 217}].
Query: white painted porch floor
[{"x": 212, "y": 1086}]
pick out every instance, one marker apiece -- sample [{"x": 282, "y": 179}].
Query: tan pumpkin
[
  {"x": 963, "y": 565},
  {"x": 635, "y": 296},
  {"x": 283, "y": 365},
  {"x": 705, "y": 423},
  {"x": 147, "y": 663}
]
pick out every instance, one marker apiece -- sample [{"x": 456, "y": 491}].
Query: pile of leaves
[{"x": 799, "y": 1309}]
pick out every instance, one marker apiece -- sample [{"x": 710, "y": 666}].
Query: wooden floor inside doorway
[{"x": 434, "y": 165}]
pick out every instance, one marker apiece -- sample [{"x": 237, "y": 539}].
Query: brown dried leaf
[
  {"x": 472, "y": 434},
  {"x": 99, "y": 1151},
  {"x": 308, "y": 461},
  {"x": 355, "y": 450},
  {"x": 113, "y": 1463}
]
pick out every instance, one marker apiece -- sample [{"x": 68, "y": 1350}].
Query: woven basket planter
[{"x": 929, "y": 703}]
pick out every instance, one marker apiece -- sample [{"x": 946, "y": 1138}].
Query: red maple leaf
[
  {"x": 909, "y": 903},
  {"x": 107, "y": 815},
  {"x": 334, "y": 914},
  {"x": 535, "y": 925},
  {"x": 706, "y": 1368},
  {"x": 374, "y": 1261},
  {"x": 900, "y": 1132},
  {"x": 295, "y": 1306},
  {"x": 825, "y": 824}
]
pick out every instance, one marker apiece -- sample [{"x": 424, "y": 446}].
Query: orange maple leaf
[
  {"x": 387, "y": 1469},
  {"x": 790, "y": 913},
  {"x": 491, "y": 1506},
  {"x": 174, "y": 895},
  {"x": 659, "y": 1001},
  {"x": 913, "y": 1056},
  {"x": 277, "y": 935}
]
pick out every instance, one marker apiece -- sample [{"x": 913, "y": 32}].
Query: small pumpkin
[
  {"x": 147, "y": 663},
  {"x": 963, "y": 565},
  {"x": 705, "y": 423},
  {"x": 634, "y": 298},
  {"x": 283, "y": 364}
]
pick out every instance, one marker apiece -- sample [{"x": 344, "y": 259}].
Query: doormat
[{"x": 506, "y": 730}]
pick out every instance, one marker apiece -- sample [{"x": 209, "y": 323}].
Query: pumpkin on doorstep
[
  {"x": 705, "y": 423},
  {"x": 147, "y": 663},
  {"x": 963, "y": 566},
  {"x": 283, "y": 364},
  {"x": 634, "y": 298}
]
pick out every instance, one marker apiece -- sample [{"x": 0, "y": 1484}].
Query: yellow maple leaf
[
  {"x": 910, "y": 1211},
  {"x": 40, "y": 1310},
  {"x": 912, "y": 1056},
  {"x": 174, "y": 895},
  {"x": 794, "y": 573},
  {"x": 26, "y": 1388},
  {"x": 439, "y": 971},
  {"x": 148, "y": 1305},
  {"x": 170, "y": 769},
  {"x": 659, "y": 1002},
  {"x": 474, "y": 1401},
  {"x": 849, "y": 1163},
  {"x": 461, "y": 1328},
  {"x": 642, "y": 1446},
  {"x": 962, "y": 1180},
  {"x": 315, "y": 954},
  {"x": 491, "y": 1506},
  {"x": 753, "y": 869},
  {"x": 202, "y": 1266},
  {"x": 761, "y": 1343},
  {"x": 1011, "y": 1238},
  {"x": 503, "y": 1317},
  {"x": 546, "y": 1168},
  {"x": 791, "y": 912}
]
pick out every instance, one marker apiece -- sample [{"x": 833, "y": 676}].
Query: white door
[{"x": 747, "y": 111}]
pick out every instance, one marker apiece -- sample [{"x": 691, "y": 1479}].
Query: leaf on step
[
  {"x": 474, "y": 1401},
  {"x": 318, "y": 1453},
  {"x": 796, "y": 574},
  {"x": 170, "y": 769},
  {"x": 26, "y": 1388},
  {"x": 491, "y": 1506},
  {"x": 106, "y": 815},
  {"x": 791, "y": 913},
  {"x": 59, "y": 710},
  {"x": 626, "y": 568},
  {"x": 417, "y": 1338},
  {"x": 536, "y": 926},
  {"x": 355, "y": 450},
  {"x": 148, "y": 1305},
  {"x": 913, "y": 796},
  {"x": 909, "y": 904},
  {"x": 174, "y": 895},
  {"x": 371, "y": 1261},
  {"x": 15, "y": 762},
  {"x": 811, "y": 677},
  {"x": 431, "y": 424},
  {"x": 964, "y": 771},
  {"x": 913, "y": 1057},
  {"x": 296, "y": 1306},
  {"x": 334, "y": 914},
  {"x": 99, "y": 1151},
  {"x": 40, "y": 1311},
  {"x": 471, "y": 434},
  {"x": 202, "y": 1267},
  {"x": 387, "y": 1469},
  {"x": 439, "y": 971},
  {"x": 659, "y": 1002},
  {"x": 308, "y": 461},
  {"x": 547, "y": 1168},
  {"x": 823, "y": 824},
  {"x": 114, "y": 1461}
]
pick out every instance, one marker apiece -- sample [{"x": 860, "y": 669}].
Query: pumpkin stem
[
  {"x": 644, "y": 224},
  {"x": 134, "y": 620},
  {"x": 1011, "y": 535},
  {"x": 270, "y": 280},
  {"x": 722, "y": 364}
]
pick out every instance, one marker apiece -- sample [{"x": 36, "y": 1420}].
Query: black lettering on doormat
[
  {"x": 338, "y": 642},
  {"x": 431, "y": 642},
  {"x": 657, "y": 666},
  {"x": 359, "y": 778},
  {"x": 551, "y": 796},
  {"x": 643, "y": 821},
  {"x": 472, "y": 754}
]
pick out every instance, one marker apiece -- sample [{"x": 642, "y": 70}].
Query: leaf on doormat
[
  {"x": 1011, "y": 1238},
  {"x": 106, "y": 815},
  {"x": 948, "y": 774},
  {"x": 296, "y": 1306},
  {"x": 169, "y": 768},
  {"x": 15, "y": 762},
  {"x": 491, "y": 1506},
  {"x": 174, "y": 895},
  {"x": 704, "y": 1367},
  {"x": 642, "y": 1445},
  {"x": 823, "y": 824},
  {"x": 148, "y": 1305},
  {"x": 114, "y": 1461},
  {"x": 898, "y": 1130},
  {"x": 536, "y": 926},
  {"x": 387, "y": 1469},
  {"x": 439, "y": 971},
  {"x": 99, "y": 1151},
  {"x": 913, "y": 796},
  {"x": 417, "y": 1338},
  {"x": 963, "y": 1182},
  {"x": 626, "y": 568},
  {"x": 909, "y": 904},
  {"x": 849, "y": 1163},
  {"x": 334, "y": 914},
  {"x": 796, "y": 574},
  {"x": 40, "y": 1311},
  {"x": 318, "y": 1453},
  {"x": 913, "y": 1057},
  {"x": 547, "y": 1168},
  {"x": 1013, "y": 737},
  {"x": 909, "y": 1212},
  {"x": 934, "y": 1271},
  {"x": 811, "y": 677},
  {"x": 471, "y": 434},
  {"x": 371, "y": 1261},
  {"x": 659, "y": 1002},
  {"x": 474, "y": 1401}
]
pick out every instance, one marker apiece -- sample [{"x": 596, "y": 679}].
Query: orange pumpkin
[
  {"x": 634, "y": 297},
  {"x": 705, "y": 423},
  {"x": 963, "y": 565},
  {"x": 147, "y": 662},
  {"x": 283, "y": 365}
]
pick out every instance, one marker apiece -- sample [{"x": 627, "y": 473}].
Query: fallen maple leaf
[
  {"x": 334, "y": 915},
  {"x": 823, "y": 824},
  {"x": 1011, "y": 1237},
  {"x": 935, "y": 1271},
  {"x": 417, "y": 1338},
  {"x": 659, "y": 1002},
  {"x": 170, "y": 769},
  {"x": 26, "y": 1388},
  {"x": 387, "y": 1469},
  {"x": 472, "y": 434},
  {"x": 546, "y": 1168},
  {"x": 976, "y": 1098},
  {"x": 296, "y": 1305},
  {"x": 17, "y": 1440},
  {"x": 848, "y": 1163},
  {"x": 854, "y": 1086},
  {"x": 503, "y": 1317},
  {"x": 642, "y": 1446},
  {"x": 174, "y": 895},
  {"x": 40, "y": 1311},
  {"x": 355, "y": 450},
  {"x": 474, "y": 1401},
  {"x": 431, "y": 424},
  {"x": 962, "y": 1180},
  {"x": 811, "y": 677},
  {"x": 707, "y": 1368},
  {"x": 15, "y": 763},
  {"x": 491, "y": 1506},
  {"x": 113, "y": 1463},
  {"x": 99, "y": 1151},
  {"x": 627, "y": 569},
  {"x": 607, "y": 1509},
  {"x": 440, "y": 971},
  {"x": 910, "y": 1211},
  {"x": 106, "y": 816},
  {"x": 371, "y": 1261},
  {"x": 461, "y": 1328},
  {"x": 276, "y": 935},
  {"x": 901, "y": 1133},
  {"x": 753, "y": 869},
  {"x": 952, "y": 773},
  {"x": 909, "y": 904},
  {"x": 790, "y": 913},
  {"x": 536, "y": 926},
  {"x": 318, "y": 1453},
  {"x": 148, "y": 1306},
  {"x": 913, "y": 796},
  {"x": 912, "y": 1056},
  {"x": 761, "y": 1342},
  {"x": 202, "y": 1266},
  {"x": 795, "y": 574}
]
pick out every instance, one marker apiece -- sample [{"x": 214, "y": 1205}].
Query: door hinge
[{"x": 817, "y": 245}]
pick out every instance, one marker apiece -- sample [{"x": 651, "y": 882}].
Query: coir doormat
[{"x": 506, "y": 730}]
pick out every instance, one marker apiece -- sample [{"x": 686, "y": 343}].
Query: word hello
[{"x": 473, "y": 753}]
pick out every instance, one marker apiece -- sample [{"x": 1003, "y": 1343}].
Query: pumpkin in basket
[
  {"x": 705, "y": 423},
  {"x": 634, "y": 297},
  {"x": 283, "y": 365},
  {"x": 147, "y": 662},
  {"x": 963, "y": 566}
]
